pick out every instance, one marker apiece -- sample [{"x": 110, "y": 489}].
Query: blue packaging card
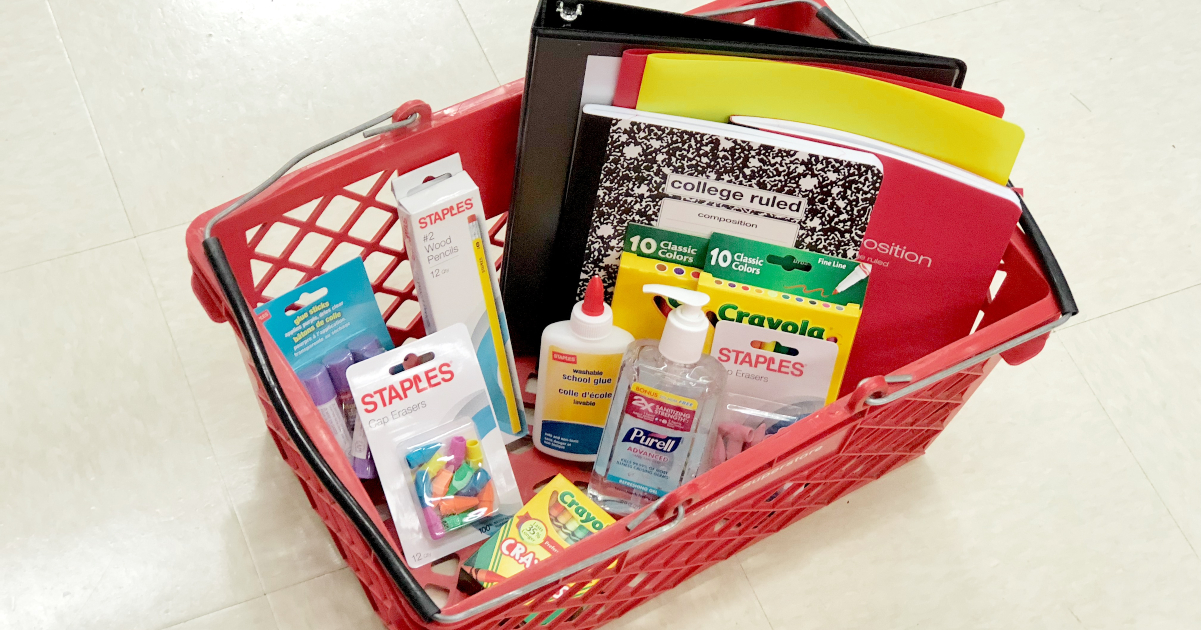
[{"x": 339, "y": 305}]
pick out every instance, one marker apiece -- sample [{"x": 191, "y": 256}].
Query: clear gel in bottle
[{"x": 662, "y": 411}]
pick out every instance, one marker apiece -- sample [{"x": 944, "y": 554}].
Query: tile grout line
[
  {"x": 478, "y": 44},
  {"x": 754, "y": 592},
  {"x": 1137, "y": 462},
  {"x": 941, "y": 17},
  {"x": 271, "y": 605},
  {"x": 91, "y": 122},
  {"x": 1070, "y": 325},
  {"x": 200, "y": 419},
  {"x": 862, "y": 29},
  {"x": 67, "y": 255},
  {"x": 219, "y": 610}
]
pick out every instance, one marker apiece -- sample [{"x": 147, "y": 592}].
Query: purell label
[
  {"x": 650, "y": 439},
  {"x": 656, "y": 434}
]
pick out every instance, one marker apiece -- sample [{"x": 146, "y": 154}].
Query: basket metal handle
[
  {"x": 1059, "y": 289},
  {"x": 392, "y": 563},
  {"x": 590, "y": 561}
]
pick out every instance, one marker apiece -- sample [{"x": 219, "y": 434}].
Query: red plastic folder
[
  {"x": 633, "y": 63},
  {"x": 935, "y": 239}
]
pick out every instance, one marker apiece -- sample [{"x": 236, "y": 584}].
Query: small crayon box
[
  {"x": 787, "y": 269},
  {"x": 441, "y": 459},
  {"x": 805, "y": 324},
  {"x": 653, "y": 255},
  {"x": 559, "y": 516}
]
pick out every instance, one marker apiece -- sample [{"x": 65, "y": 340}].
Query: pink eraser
[
  {"x": 433, "y": 523},
  {"x": 458, "y": 451},
  {"x": 759, "y": 435},
  {"x": 719, "y": 450}
]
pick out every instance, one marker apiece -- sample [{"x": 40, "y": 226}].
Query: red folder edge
[{"x": 940, "y": 269}]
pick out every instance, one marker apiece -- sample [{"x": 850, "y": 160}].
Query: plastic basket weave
[{"x": 340, "y": 207}]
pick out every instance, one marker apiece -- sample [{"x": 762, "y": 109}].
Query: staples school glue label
[
  {"x": 574, "y": 414},
  {"x": 651, "y": 453}
]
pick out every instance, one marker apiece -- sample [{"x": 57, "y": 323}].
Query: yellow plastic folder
[{"x": 714, "y": 87}]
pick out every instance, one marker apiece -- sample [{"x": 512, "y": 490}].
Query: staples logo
[
  {"x": 452, "y": 210},
  {"x": 658, "y": 442}
]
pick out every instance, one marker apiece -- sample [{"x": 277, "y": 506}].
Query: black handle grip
[
  {"x": 1059, "y": 282},
  {"x": 840, "y": 28},
  {"x": 258, "y": 352}
]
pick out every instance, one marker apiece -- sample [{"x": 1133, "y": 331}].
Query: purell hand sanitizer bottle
[{"x": 662, "y": 410}]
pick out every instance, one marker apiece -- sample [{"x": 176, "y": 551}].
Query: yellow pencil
[{"x": 502, "y": 357}]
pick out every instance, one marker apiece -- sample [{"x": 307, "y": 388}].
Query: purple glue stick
[
  {"x": 361, "y": 348},
  {"x": 336, "y": 363},
  {"x": 365, "y": 346},
  {"x": 321, "y": 390}
]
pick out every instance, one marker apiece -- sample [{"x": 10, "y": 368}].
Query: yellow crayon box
[
  {"x": 734, "y": 303},
  {"x": 559, "y": 516},
  {"x": 644, "y": 315}
]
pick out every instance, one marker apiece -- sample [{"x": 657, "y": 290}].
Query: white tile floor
[{"x": 139, "y": 489}]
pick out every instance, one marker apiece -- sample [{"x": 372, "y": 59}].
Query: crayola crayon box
[
  {"x": 559, "y": 516},
  {"x": 800, "y": 324}
]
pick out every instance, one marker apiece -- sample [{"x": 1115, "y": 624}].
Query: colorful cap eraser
[
  {"x": 476, "y": 484},
  {"x": 461, "y": 478},
  {"x": 475, "y": 454},
  {"x": 419, "y": 456},
  {"x": 458, "y": 451},
  {"x": 455, "y": 521},
  {"x": 421, "y": 482},
  {"x": 434, "y": 466},
  {"x": 433, "y": 522},
  {"x": 487, "y": 498},
  {"x": 441, "y": 483},
  {"x": 456, "y": 505},
  {"x": 719, "y": 450},
  {"x": 759, "y": 434}
]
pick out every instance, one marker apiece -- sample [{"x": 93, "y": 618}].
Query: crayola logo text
[
  {"x": 731, "y": 313},
  {"x": 445, "y": 213},
  {"x": 416, "y": 382},
  {"x": 660, "y": 443},
  {"x": 581, "y": 513}
]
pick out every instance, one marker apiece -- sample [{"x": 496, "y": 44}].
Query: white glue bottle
[{"x": 577, "y": 372}]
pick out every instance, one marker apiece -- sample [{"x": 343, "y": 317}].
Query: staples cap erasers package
[{"x": 440, "y": 456}]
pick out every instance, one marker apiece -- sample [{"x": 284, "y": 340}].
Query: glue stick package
[{"x": 440, "y": 457}]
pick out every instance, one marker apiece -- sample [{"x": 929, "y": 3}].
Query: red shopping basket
[{"x": 296, "y": 226}]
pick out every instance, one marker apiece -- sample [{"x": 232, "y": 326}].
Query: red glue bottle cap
[{"x": 592, "y": 318}]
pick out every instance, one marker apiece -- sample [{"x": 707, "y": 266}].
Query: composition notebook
[
  {"x": 699, "y": 177},
  {"x": 714, "y": 87},
  {"x": 935, "y": 240},
  {"x": 560, "y": 53}
]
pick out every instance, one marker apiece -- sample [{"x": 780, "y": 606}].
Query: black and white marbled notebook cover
[{"x": 839, "y": 194}]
